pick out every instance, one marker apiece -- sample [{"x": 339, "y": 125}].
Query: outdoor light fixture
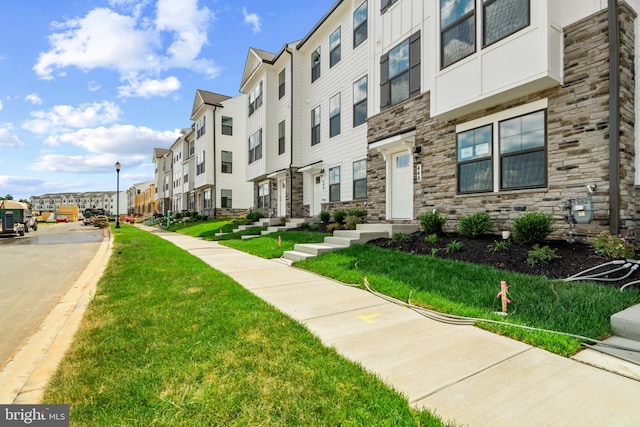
[
  {"x": 118, "y": 195},
  {"x": 416, "y": 152}
]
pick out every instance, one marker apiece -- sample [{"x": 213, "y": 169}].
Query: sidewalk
[{"x": 461, "y": 373}]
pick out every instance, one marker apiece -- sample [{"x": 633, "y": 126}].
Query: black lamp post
[{"x": 118, "y": 195}]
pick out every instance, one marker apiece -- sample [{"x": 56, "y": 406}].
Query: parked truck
[{"x": 16, "y": 218}]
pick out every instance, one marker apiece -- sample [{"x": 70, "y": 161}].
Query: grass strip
[
  {"x": 470, "y": 290},
  {"x": 169, "y": 341},
  {"x": 273, "y": 245}
]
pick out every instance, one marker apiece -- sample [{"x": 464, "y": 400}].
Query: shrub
[
  {"x": 532, "y": 227},
  {"x": 304, "y": 225},
  {"x": 324, "y": 216},
  {"x": 540, "y": 255},
  {"x": 613, "y": 246},
  {"x": 476, "y": 224},
  {"x": 454, "y": 246},
  {"x": 432, "y": 222},
  {"x": 315, "y": 227},
  {"x": 352, "y": 221},
  {"x": 431, "y": 238},
  {"x": 333, "y": 227},
  {"x": 358, "y": 212},
  {"x": 400, "y": 238},
  {"x": 283, "y": 220},
  {"x": 254, "y": 216},
  {"x": 499, "y": 246},
  {"x": 339, "y": 216}
]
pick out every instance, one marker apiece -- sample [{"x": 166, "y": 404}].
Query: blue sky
[{"x": 86, "y": 83}]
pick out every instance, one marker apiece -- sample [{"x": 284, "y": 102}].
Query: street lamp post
[{"x": 118, "y": 195}]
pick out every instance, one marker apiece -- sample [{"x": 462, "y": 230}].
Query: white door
[
  {"x": 401, "y": 186},
  {"x": 317, "y": 195},
  {"x": 282, "y": 197}
]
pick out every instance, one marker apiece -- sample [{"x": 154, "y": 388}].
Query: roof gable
[{"x": 204, "y": 97}]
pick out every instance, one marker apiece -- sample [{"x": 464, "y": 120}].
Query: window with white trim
[
  {"x": 281, "y": 137},
  {"x": 334, "y": 116},
  {"x": 227, "y": 162},
  {"x": 227, "y": 125},
  {"x": 315, "y": 126},
  {"x": 334, "y": 184},
  {"x": 334, "y": 47},
  {"x": 225, "y": 199},
  {"x": 200, "y": 127},
  {"x": 315, "y": 65},
  {"x": 255, "y": 146},
  {"x": 504, "y": 153},
  {"x": 360, "y": 101},
  {"x": 200, "y": 164},
  {"x": 457, "y": 30},
  {"x": 360, "y": 179},
  {"x": 263, "y": 195},
  {"x": 255, "y": 98},
  {"x": 360, "y": 30},
  {"x": 207, "y": 199},
  {"x": 386, "y": 4},
  {"x": 281, "y": 83}
]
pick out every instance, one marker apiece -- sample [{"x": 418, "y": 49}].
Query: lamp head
[{"x": 117, "y": 166}]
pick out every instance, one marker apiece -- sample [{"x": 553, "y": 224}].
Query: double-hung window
[
  {"x": 281, "y": 83},
  {"x": 360, "y": 30},
  {"x": 334, "y": 116},
  {"x": 255, "y": 98},
  {"x": 200, "y": 128},
  {"x": 227, "y": 162},
  {"x": 457, "y": 30},
  {"x": 315, "y": 65},
  {"x": 523, "y": 151},
  {"x": 281, "y": 137},
  {"x": 360, "y": 179},
  {"x": 255, "y": 146},
  {"x": 225, "y": 198},
  {"x": 263, "y": 195},
  {"x": 400, "y": 72},
  {"x": 502, "y": 18},
  {"x": 200, "y": 164},
  {"x": 334, "y": 184},
  {"x": 334, "y": 47},
  {"x": 315, "y": 126},
  {"x": 207, "y": 199},
  {"x": 360, "y": 102},
  {"x": 386, "y": 4},
  {"x": 227, "y": 125}
]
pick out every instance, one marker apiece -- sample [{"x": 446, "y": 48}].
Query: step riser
[
  {"x": 626, "y": 324},
  {"x": 293, "y": 256}
]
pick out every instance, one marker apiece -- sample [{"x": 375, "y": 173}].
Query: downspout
[
  {"x": 215, "y": 177},
  {"x": 290, "y": 135},
  {"x": 614, "y": 118}
]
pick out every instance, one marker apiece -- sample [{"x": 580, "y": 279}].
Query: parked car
[{"x": 62, "y": 218}]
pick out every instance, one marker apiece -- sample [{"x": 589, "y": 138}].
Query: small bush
[
  {"x": 324, "y": 216},
  {"x": 358, "y": 212},
  {"x": 540, "y": 255},
  {"x": 431, "y": 238},
  {"x": 474, "y": 225},
  {"x": 315, "y": 227},
  {"x": 432, "y": 222},
  {"x": 532, "y": 227},
  {"x": 254, "y": 216},
  {"x": 283, "y": 220},
  {"x": 454, "y": 247},
  {"x": 499, "y": 246},
  {"x": 613, "y": 246},
  {"x": 339, "y": 216},
  {"x": 352, "y": 221},
  {"x": 400, "y": 238},
  {"x": 304, "y": 225},
  {"x": 333, "y": 227}
]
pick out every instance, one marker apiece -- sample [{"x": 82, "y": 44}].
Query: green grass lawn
[
  {"x": 169, "y": 341},
  {"x": 268, "y": 246},
  {"x": 470, "y": 290}
]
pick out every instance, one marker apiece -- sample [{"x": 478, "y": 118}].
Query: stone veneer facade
[
  {"x": 294, "y": 180},
  {"x": 577, "y": 142}
]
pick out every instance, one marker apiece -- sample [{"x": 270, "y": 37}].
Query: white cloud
[
  {"x": 148, "y": 88},
  {"x": 132, "y": 44},
  {"x": 64, "y": 117},
  {"x": 8, "y": 139},
  {"x": 252, "y": 19},
  {"x": 34, "y": 98},
  {"x": 126, "y": 140}
]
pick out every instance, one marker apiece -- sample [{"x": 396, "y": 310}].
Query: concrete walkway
[{"x": 461, "y": 373}]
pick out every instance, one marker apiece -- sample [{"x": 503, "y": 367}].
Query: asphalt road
[{"x": 35, "y": 272}]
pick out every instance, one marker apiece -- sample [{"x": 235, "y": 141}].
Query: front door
[
  {"x": 317, "y": 195},
  {"x": 282, "y": 197},
  {"x": 401, "y": 186}
]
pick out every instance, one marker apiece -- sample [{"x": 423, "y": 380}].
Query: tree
[{"x": 7, "y": 197}]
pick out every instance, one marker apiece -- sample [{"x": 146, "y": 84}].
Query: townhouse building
[
  {"x": 141, "y": 199},
  {"x": 504, "y": 106},
  {"x": 163, "y": 171},
  {"x": 107, "y": 200}
]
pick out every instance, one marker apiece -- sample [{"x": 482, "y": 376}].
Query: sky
[{"x": 88, "y": 83}]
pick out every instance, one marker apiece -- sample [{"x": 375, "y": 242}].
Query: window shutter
[
  {"x": 384, "y": 81},
  {"x": 414, "y": 65}
]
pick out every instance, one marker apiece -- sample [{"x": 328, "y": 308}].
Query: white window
[
  {"x": 200, "y": 127},
  {"x": 227, "y": 162},
  {"x": 315, "y": 65},
  {"x": 334, "y": 184},
  {"x": 225, "y": 199},
  {"x": 334, "y": 47},
  {"x": 360, "y": 102},
  {"x": 360, "y": 179},
  {"x": 315, "y": 126},
  {"x": 255, "y": 146},
  {"x": 334, "y": 116},
  {"x": 360, "y": 31},
  {"x": 263, "y": 195},
  {"x": 255, "y": 98}
]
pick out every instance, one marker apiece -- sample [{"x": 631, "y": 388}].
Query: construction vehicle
[{"x": 16, "y": 218}]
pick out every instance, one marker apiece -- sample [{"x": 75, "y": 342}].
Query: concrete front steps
[
  {"x": 344, "y": 238},
  {"x": 273, "y": 226}
]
